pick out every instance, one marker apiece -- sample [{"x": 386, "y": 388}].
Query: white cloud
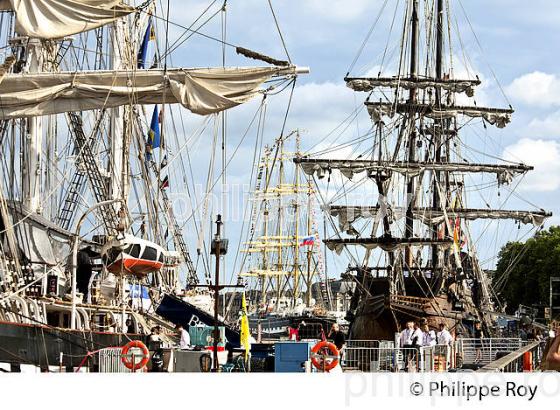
[
  {"x": 319, "y": 109},
  {"x": 536, "y": 88},
  {"x": 546, "y": 127},
  {"x": 544, "y": 156}
]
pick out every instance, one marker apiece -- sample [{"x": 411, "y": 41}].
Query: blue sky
[{"x": 519, "y": 44}]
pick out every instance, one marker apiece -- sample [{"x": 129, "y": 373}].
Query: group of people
[{"x": 418, "y": 334}]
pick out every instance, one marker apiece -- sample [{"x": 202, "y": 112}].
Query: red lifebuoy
[
  {"x": 324, "y": 356},
  {"x": 127, "y": 359}
]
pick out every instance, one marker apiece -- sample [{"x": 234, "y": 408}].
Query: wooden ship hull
[{"x": 382, "y": 316}]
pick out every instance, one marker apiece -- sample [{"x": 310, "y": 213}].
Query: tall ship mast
[
  {"x": 91, "y": 247},
  {"x": 409, "y": 233},
  {"x": 282, "y": 257}
]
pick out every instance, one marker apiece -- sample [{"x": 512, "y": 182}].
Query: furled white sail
[
  {"x": 348, "y": 168},
  {"x": 49, "y": 19},
  {"x": 495, "y": 116},
  {"x": 347, "y": 215},
  {"x": 369, "y": 84},
  {"x": 202, "y": 91}
]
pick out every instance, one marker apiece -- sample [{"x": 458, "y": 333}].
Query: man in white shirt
[
  {"x": 406, "y": 335},
  {"x": 430, "y": 338},
  {"x": 444, "y": 341},
  {"x": 443, "y": 336},
  {"x": 185, "y": 338},
  {"x": 410, "y": 338},
  {"x": 417, "y": 336}
]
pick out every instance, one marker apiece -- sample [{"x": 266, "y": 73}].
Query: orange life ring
[
  {"x": 127, "y": 359},
  {"x": 324, "y": 356}
]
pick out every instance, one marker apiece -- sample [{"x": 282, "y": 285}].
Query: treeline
[{"x": 523, "y": 271}]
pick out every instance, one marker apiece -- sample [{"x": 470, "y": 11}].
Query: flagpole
[{"x": 216, "y": 247}]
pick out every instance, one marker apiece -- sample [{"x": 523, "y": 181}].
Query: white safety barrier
[
  {"x": 363, "y": 358},
  {"x": 110, "y": 361},
  {"x": 486, "y": 350}
]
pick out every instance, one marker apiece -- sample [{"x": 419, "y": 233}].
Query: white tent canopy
[
  {"x": 49, "y": 19},
  {"x": 201, "y": 90}
]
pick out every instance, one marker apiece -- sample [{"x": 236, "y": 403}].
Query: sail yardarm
[
  {"x": 495, "y": 116},
  {"x": 385, "y": 243},
  {"x": 369, "y": 84},
  {"x": 202, "y": 91},
  {"x": 347, "y": 215},
  {"x": 349, "y": 168}
]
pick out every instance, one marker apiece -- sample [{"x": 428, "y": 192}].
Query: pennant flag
[
  {"x": 245, "y": 332},
  {"x": 308, "y": 241},
  {"x": 457, "y": 233},
  {"x": 165, "y": 182},
  {"x": 163, "y": 162},
  {"x": 148, "y": 36},
  {"x": 154, "y": 136}
]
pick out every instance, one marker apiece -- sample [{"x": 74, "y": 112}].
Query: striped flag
[{"x": 308, "y": 241}]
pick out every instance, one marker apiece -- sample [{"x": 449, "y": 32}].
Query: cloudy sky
[{"x": 515, "y": 41}]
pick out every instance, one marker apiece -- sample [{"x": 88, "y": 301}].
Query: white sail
[
  {"x": 370, "y": 84},
  {"x": 202, "y": 91},
  {"x": 494, "y": 116},
  {"x": 348, "y": 168},
  {"x": 49, "y": 19},
  {"x": 347, "y": 215}
]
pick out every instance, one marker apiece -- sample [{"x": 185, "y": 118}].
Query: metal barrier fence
[
  {"x": 390, "y": 359},
  {"x": 353, "y": 344},
  {"x": 110, "y": 361},
  {"x": 526, "y": 358},
  {"x": 484, "y": 351}
]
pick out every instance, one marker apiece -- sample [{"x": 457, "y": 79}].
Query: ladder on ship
[
  {"x": 77, "y": 183},
  {"x": 256, "y": 207},
  {"x": 97, "y": 182},
  {"x": 255, "y": 212}
]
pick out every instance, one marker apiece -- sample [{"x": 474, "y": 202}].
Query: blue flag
[
  {"x": 142, "y": 53},
  {"x": 153, "y": 134},
  {"x": 154, "y": 138}
]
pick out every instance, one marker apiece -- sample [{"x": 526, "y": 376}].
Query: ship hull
[
  {"x": 42, "y": 346},
  {"x": 276, "y": 327},
  {"x": 381, "y": 315}
]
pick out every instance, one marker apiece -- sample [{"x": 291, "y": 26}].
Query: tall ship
[
  {"x": 410, "y": 202},
  {"x": 96, "y": 173},
  {"x": 282, "y": 264}
]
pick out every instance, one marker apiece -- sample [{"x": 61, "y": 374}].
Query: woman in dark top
[
  {"x": 339, "y": 341},
  {"x": 337, "y": 337}
]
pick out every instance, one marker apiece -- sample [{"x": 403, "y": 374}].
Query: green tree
[{"x": 524, "y": 269}]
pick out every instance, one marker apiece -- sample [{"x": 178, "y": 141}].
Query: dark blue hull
[{"x": 185, "y": 314}]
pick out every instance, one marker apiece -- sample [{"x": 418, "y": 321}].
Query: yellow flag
[
  {"x": 456, "y": 233},
  {"x": 245, "y": 332}
]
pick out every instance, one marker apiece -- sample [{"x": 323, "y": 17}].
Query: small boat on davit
[{"x": 132, "y": 255}]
